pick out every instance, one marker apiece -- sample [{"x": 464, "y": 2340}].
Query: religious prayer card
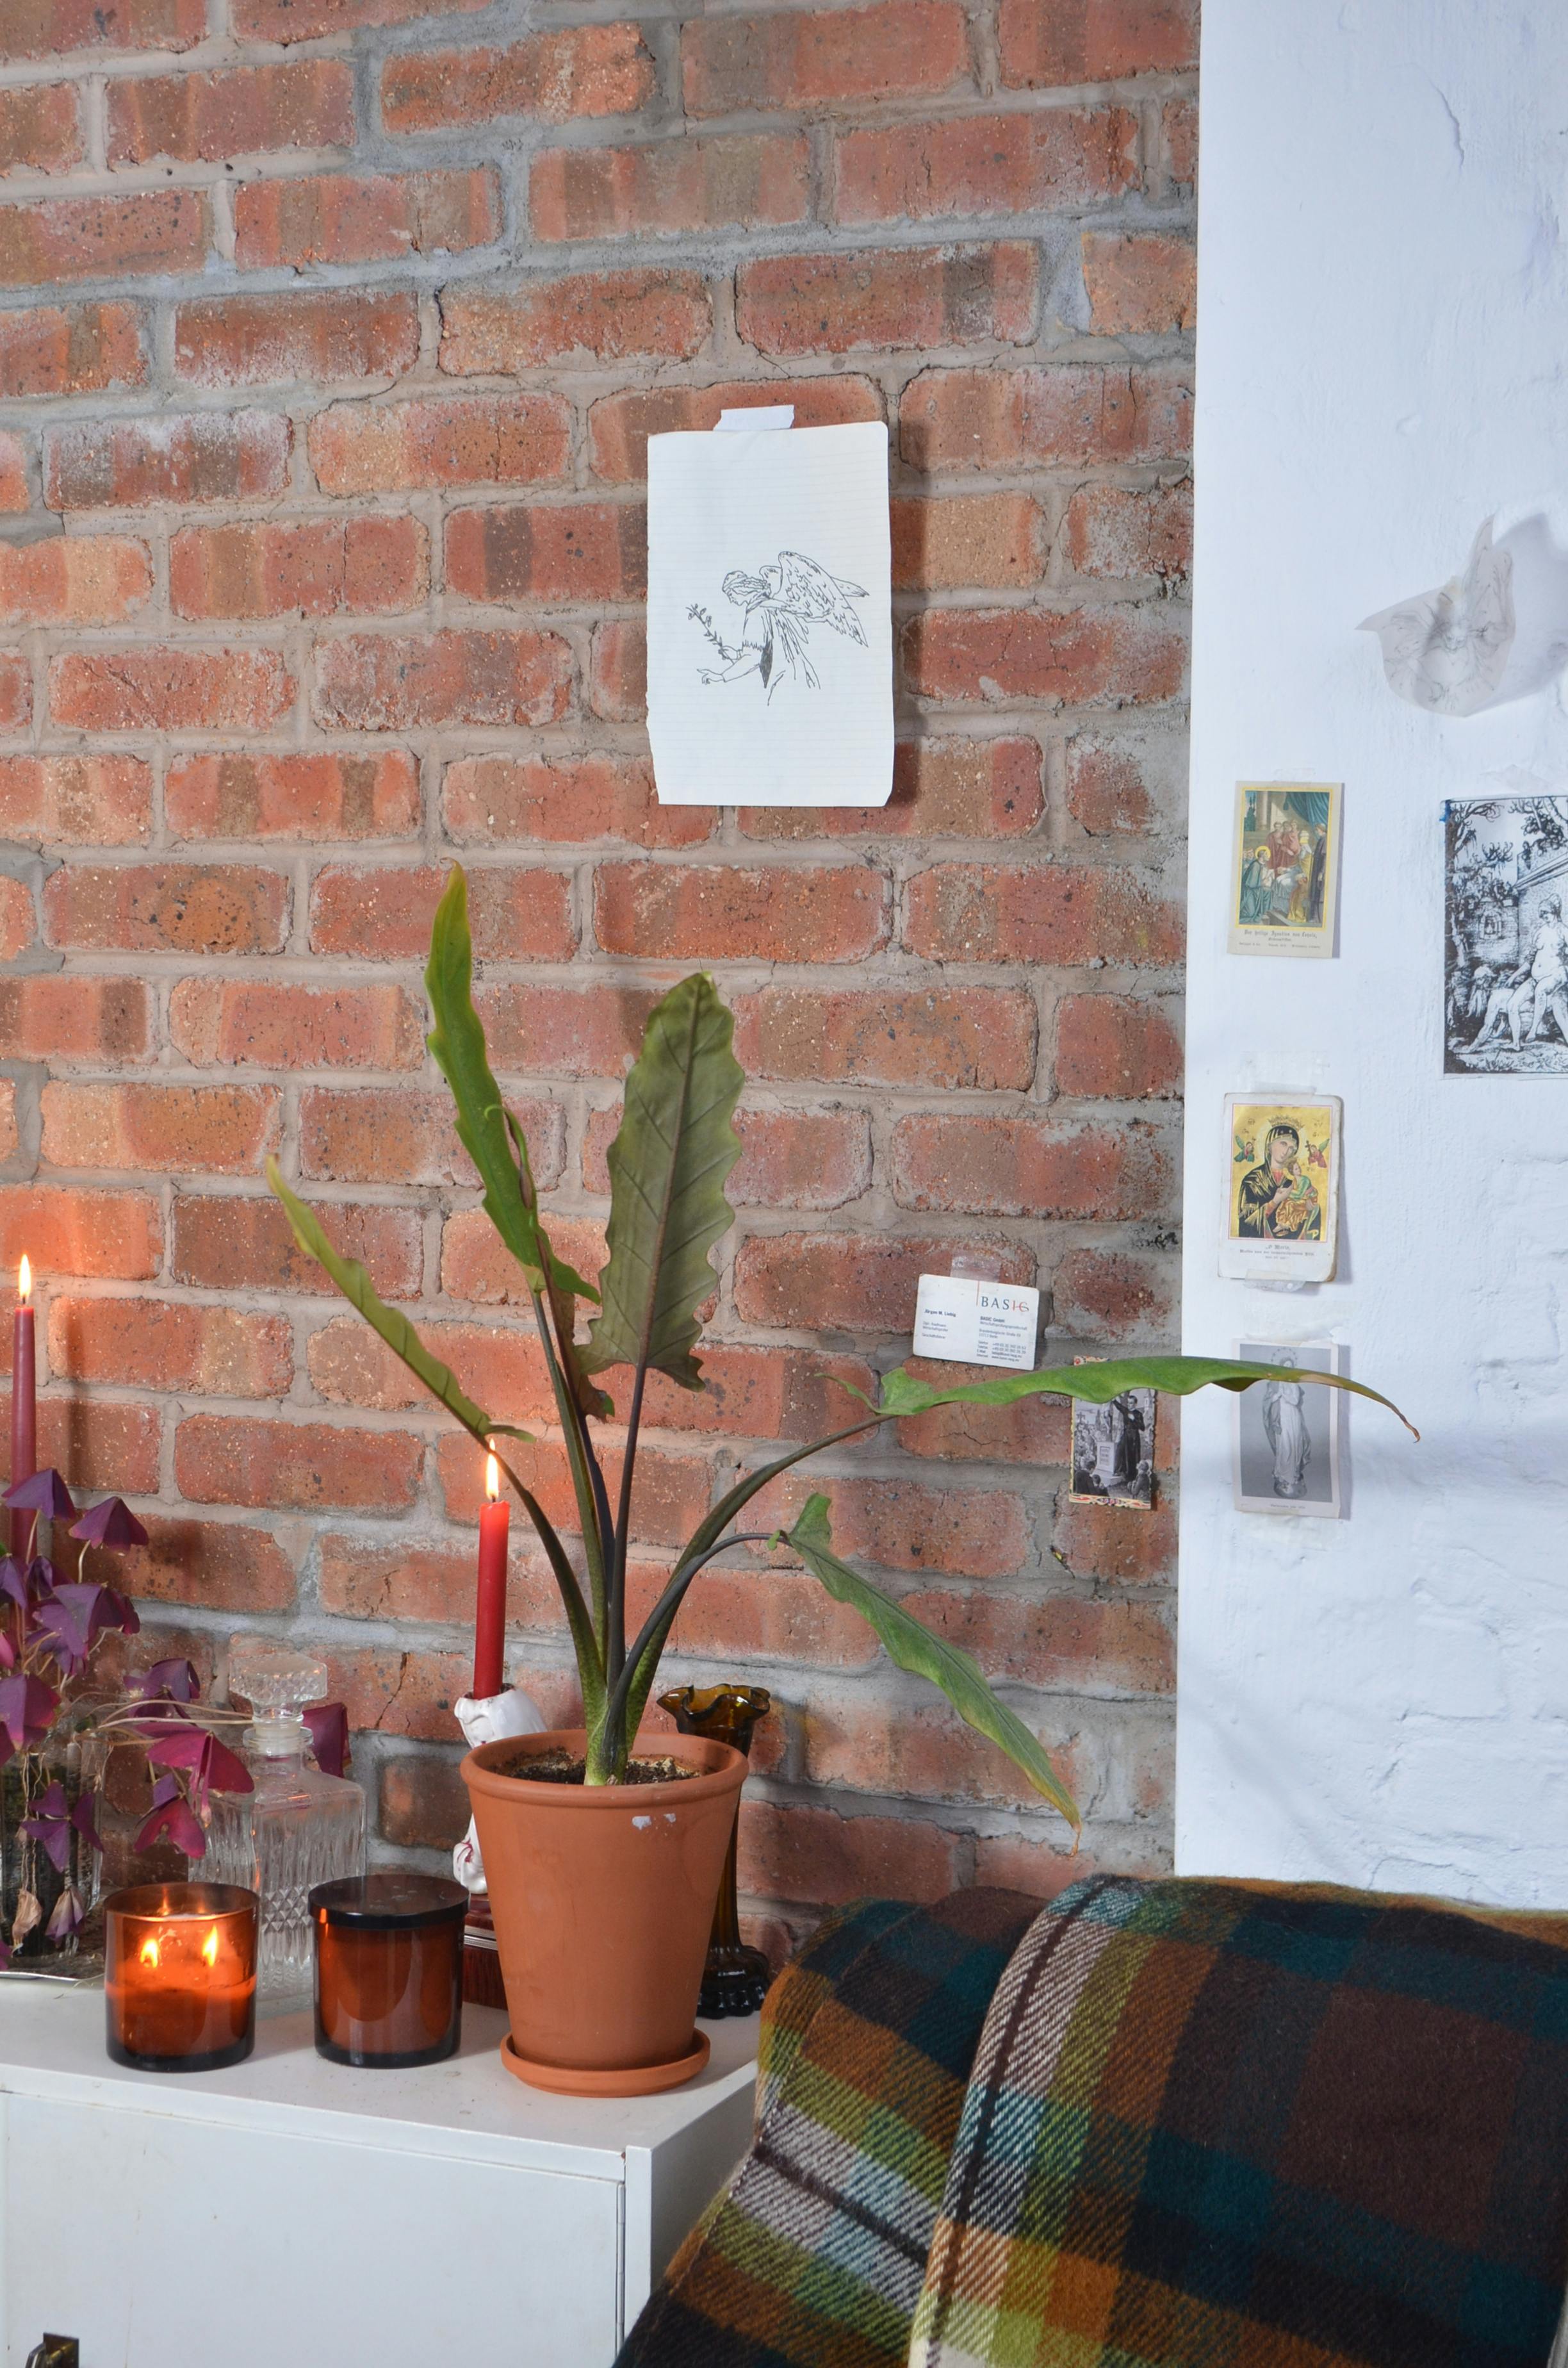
[
  {"x": 1285, "y": 1451},
  {"x": 1282, "y": 1197},
  {"x": 771, "y": 617},
  {"x": 1504, "y": 939},
  {"x": 971, "y": 1322},
  {"x": 1113, "y": 1449},
  {"x": 1285, "y": 868}
]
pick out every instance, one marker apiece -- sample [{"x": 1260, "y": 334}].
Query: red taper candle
[
  {"x": 24, "y": 1407},
  {"x": 489, "y": 1612}
]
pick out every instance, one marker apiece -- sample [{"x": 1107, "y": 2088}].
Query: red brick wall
[{"x": 331, "y": 332}]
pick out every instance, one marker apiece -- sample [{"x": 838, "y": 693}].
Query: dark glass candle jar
[
  {"x": 389, "y": 1954},
  {"x": 179, "y": 1975},
  {"x": 735, "y": 1978}
]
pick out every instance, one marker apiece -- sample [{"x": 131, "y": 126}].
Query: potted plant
[
  {"x": 602, "y": 1883},
  {"x": 66, "y": 1720}
]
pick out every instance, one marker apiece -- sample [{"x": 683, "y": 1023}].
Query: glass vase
[
  {"x": 34, "y": 1894},
  {"x": 734, "y": 1979}
]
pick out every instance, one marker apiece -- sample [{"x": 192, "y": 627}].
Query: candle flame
[
  {"x": 492, "y": 1477},
  {"x": 24, "y": 1279},
  {"x": 210, "y": 1948},
  {"x": 149, "y": 1950}
]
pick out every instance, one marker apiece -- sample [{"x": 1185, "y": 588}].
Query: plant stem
[
  {"x": 649, "y": 1642},
  {"x": 580, "y": 1456},
  {"x": 615, "y": 1656}
]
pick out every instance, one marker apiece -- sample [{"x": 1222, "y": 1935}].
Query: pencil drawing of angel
[{"x": 780, "y": 604}]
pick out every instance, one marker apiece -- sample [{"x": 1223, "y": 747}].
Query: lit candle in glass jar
[{"x": 179, "y": 1975}]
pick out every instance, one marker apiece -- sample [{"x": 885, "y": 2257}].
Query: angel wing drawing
[{"x": 780, "y": 604}]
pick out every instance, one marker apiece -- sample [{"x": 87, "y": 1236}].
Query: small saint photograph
[
  {"x": 1505, "y": 957},
  {"x": 1283, "y": 1214},
  {"x": 1286, "y": 868},
  {"x": 1286, "y": 1441},
  {"x": 1113, "y": 1450}
]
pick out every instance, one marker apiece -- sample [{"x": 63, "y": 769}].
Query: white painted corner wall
[{"x": 1382, "y": 360}]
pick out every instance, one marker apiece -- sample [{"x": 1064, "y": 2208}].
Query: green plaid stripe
[
  {"x": 813, "y": 2257},
  {"x": 1260, "y": 2127}
]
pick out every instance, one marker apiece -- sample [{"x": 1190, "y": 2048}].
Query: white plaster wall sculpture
[
  {"x": 1446, "y": 650},
  {"x": 770, "y": 615}
]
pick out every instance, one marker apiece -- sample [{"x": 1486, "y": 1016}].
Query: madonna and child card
[{"x": 1282, "y": 1208}]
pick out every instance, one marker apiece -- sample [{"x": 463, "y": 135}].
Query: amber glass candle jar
[
  {"x": 179, "y": 1975},
  {"x": 389, "y": 1968}
]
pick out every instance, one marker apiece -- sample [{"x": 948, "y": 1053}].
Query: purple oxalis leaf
[
  {"x": 67, "y": 1624},
  {"x": 111, "y": 1524},
  {"x": 27, "y": 1710},
  {"x": 53, "y": 1837},
  {"x": 211, "y": 1764},
  {"x": 66, "y": 1915},
  {"x": 49, "y": 1825},
  {"x": 82, "y": 1818},
  {"x": 45, "y": 1493},
  {"x": 328, "y": 1726},
  {"x": 116, "y": 1611},
  {"x": 72, "y": 1616},
  {"x": 173, "y": 1817},
  {"x": 14, "y": 1582},
  {"x": 178, "y": 1746},
  {"x": 164, "y": 1681}
]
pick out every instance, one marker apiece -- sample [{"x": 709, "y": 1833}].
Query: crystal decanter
[{"x": 298, "y": 1828}]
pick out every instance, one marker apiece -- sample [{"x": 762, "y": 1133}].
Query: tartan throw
[
  {"x": 1257, "y": 2125},
  {"x": 812, "y": 2255}
]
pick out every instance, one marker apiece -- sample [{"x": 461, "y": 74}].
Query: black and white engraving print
[{"x": 1506, "y": 891}]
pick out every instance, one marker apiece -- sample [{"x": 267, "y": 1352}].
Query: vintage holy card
[
  {"x": 1113, "y": 1449},
  {"x": 771, "y": 617},
  {"x": 1282, "y": 1202},
  {"x": 1505, "y": 938},
  {"x": 1285, "y": 1446},
  {"x": 1285, "y": 867}
]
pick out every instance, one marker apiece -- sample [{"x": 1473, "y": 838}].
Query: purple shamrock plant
[{"x": 52, "y": 1619}]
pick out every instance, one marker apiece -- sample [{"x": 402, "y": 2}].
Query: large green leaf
[
  {"x": 915, "y": 1648},
  {"x": 667, "y": 1166},
  {"x": 903, "y": 1394},
  {"x": 401, "y": 1336},
  {"x": 390, "y": 1322},
  {"x": 484, "y": 1128}
]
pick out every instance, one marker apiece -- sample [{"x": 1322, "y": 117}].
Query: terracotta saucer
[{"x": 638, "y": 2080}]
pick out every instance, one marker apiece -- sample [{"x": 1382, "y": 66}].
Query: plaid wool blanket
[
  {"x": 813, "y": 2257},
  {"x": 1254, "y": 2125}
]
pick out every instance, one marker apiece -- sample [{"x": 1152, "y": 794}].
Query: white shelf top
[{"x": 51, "y": 2046}]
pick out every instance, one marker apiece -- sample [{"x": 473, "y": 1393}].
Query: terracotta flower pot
[{"x": 602, "y": 1898}]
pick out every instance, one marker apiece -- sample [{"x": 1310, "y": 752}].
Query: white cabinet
[{"x": 292, "y": 2208}]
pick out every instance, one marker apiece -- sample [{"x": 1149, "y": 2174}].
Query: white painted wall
[{"x": 1382, "y": 360}]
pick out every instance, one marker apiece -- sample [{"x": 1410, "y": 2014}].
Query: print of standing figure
[
  {"x": 1285, "y": 1425},
  {"x": 782, "y": 604}
]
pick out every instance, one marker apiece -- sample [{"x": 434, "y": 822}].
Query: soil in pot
[
  {"x": 560, "y": 1768},
  {"x": 602, "y": 1898}
]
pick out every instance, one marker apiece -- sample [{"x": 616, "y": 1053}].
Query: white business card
[{"x": 973, "y": 1323}]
